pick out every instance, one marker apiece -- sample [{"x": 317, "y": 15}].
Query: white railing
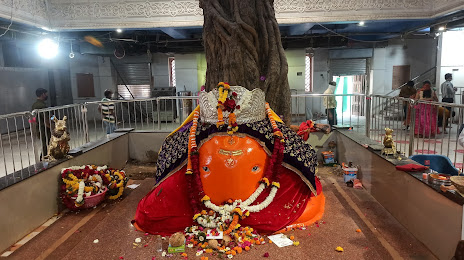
[
  {"x": 432, "y": 127},
  {"x": 25, "y": 135}
]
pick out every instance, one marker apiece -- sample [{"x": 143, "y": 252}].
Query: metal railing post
[
  {"x": 158, "y": 112},
  {"x": 412, "y": 125},
  {"x": 85, "y": 124},
  {"x": 33, "y": 131},
  {"x": 368, "y": 116}
]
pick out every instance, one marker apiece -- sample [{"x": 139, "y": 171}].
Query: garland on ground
[{"x": 84, "y": 181}]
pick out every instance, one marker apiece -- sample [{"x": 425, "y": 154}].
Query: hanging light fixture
[{"x": 71, "y": 54}]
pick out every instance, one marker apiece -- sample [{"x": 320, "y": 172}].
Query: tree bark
[{"x": 243, "y": 47}]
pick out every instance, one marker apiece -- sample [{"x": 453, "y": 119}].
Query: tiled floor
[{"x": 382, "y": 237}]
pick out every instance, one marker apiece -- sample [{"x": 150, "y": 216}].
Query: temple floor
[{"x": 382, "y": 237}]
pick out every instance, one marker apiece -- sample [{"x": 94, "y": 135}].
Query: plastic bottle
[{"x": 159, "y": 244}]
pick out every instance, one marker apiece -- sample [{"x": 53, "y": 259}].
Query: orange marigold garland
[
  {"x": 192, "y": 143},
  {"x": 278, "y": 151},
  {"x": 223, "y": 89},
  {"x": 193, "y": 164}
]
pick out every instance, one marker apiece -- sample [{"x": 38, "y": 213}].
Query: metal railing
[
  {"x": 25, "y": 135},
  {"x": 432, "y": 127},
  {"x": 17, "y": 145},
  {"x": 351, "y": 109}
]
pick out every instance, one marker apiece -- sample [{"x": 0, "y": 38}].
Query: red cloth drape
[{"x": 166, "y": 208}]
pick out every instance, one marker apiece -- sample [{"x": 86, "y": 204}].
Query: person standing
[
  {"x": 448, "y": 91},
  {"x": 107, "y": 110},
  {"x": 407, "y": 91},
  {"x": 426, "y": 113},
  {"x": 42, "y": 120},
  {"x": 331, "y": 104}
]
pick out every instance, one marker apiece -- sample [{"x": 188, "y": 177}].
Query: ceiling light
[
  {"x": 361, "y": 23},
  {"x": 119, "y": 30},
  {"x": 441, "y": 28},
  {"x": 47, "y": 48}
]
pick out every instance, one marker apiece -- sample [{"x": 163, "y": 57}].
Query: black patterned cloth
[{"x": 299, "y": 155}]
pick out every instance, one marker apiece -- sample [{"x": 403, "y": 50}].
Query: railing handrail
[
  {"x": 48, "y": 109},
  {"x": 415, "y": 101},
  {"x": 413, "y": 79},
  {"x": 11, "y": 115},
  {"x": 119, "y": 101},
  {"x": 327, "y": 95},
  {"x": 35, "y": 111}
]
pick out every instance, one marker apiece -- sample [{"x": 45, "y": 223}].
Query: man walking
[
  {"x": 448, "y": 91},
  {"x": 331, "y": 104},
  {"x": 42, "y": 119},
  {"x": 107, "y": 110}
]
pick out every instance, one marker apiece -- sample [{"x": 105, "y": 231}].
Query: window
[
  {"x": 309, "y": 72},
  {"x": 85, "y": 85},
  {"x": 172, "y": 72}
]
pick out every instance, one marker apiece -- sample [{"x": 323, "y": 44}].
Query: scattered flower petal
[
  {"x": 146, "y": 234},
  {"x": 358, "y": 230},
  {"x": 96, "y": 241},
  {"x": 164, "y": 253},
  {"x": 266, "y": 254},
  {"x": 296, "y": 243},
  {"x": 190, "y": 245},
  {"x": 145, "y": 245},
  {"x": 121, "y": 257},
  {"x": 339, "y": 249},
  {"x": 138, "y": 240},
  {"x": 230, "y": 256}
]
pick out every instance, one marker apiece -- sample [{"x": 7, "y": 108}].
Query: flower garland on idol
[
  {"x": 81, "y": 182},
  {"x": 227, "y": 103},
  {"x": 226, "y": 217}
]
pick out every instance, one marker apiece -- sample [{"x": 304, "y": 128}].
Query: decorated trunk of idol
[{"x": 233, "y": 162}]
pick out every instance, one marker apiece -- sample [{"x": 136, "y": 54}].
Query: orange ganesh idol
[{"x": 233, "y": 162}]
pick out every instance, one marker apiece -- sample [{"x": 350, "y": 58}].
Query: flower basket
[
  {"x": 88, "y": 185},
  {"x": 91, "y": 201}
]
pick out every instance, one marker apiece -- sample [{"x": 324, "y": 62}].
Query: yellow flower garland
[{"x": 121, "y": 190}]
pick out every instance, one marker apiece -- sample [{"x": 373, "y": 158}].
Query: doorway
[{"x": 350, "y": 84}]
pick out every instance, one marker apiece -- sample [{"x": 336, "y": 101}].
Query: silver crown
[{"x": 251, "y": 102}]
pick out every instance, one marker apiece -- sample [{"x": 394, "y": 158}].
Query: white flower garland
[
  {"x": 266, "y": 202},
  {"x": 80, "y": 193},
  {"x": 225, "y": 211}
]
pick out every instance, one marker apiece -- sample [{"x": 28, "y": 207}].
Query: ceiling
[{"x": 189, "y": 39}]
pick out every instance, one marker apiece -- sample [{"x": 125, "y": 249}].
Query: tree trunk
[{"x": 243, "y": 47}]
